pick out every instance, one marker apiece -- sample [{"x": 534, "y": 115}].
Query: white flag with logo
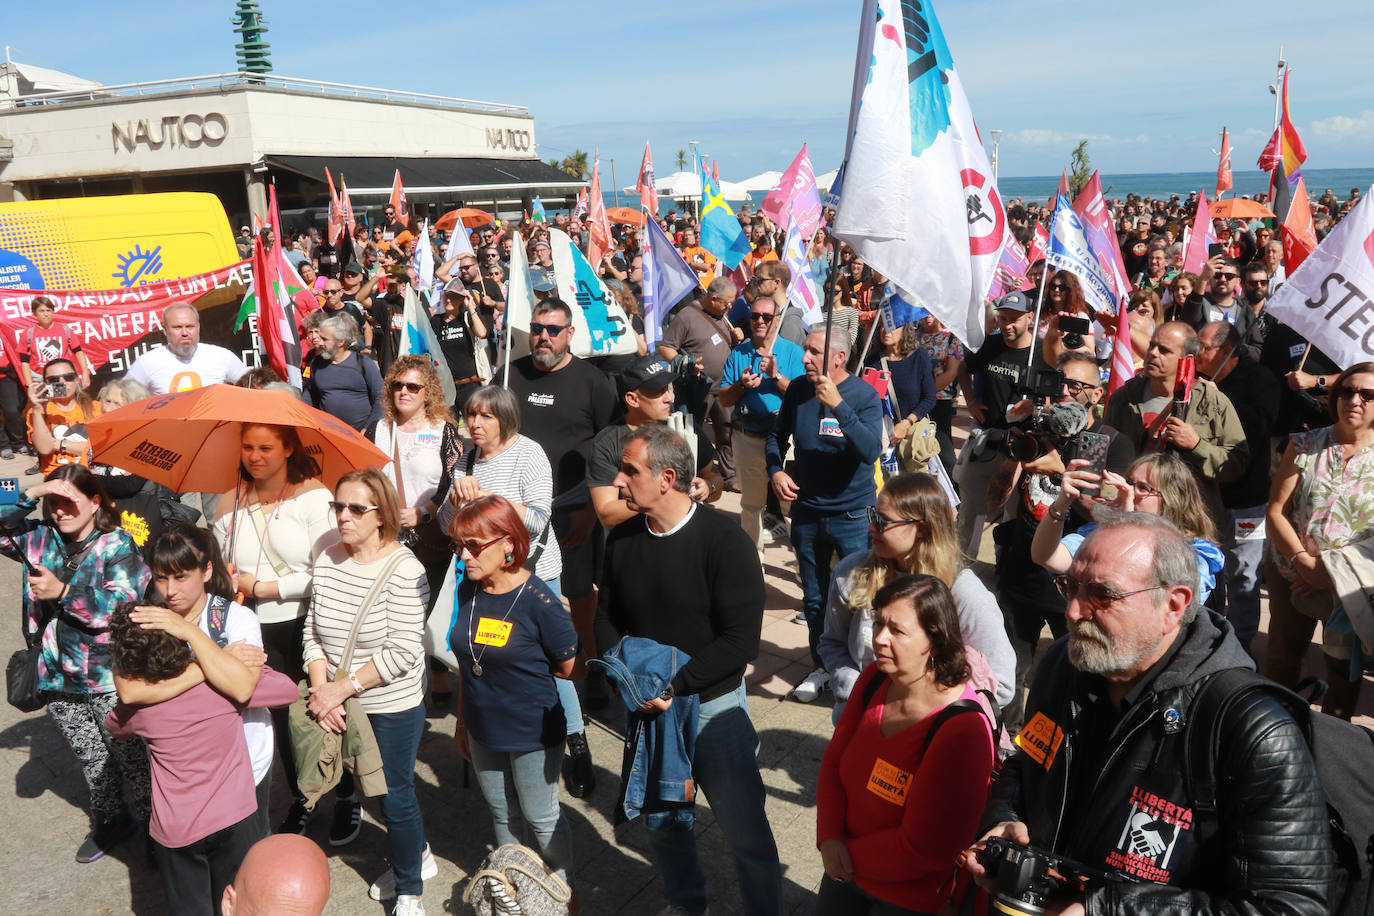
[{"x": 1329, "y": 299}]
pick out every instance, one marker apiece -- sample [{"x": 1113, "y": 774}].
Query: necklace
[{"x": 472, "y": 623}]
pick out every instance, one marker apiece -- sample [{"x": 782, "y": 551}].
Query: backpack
[
  {"x": 1344, "y": 756},
  {"x": 949, "y": 712}
]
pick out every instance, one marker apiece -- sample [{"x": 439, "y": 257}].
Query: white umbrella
[
  {"x": 823, "y": 182},
  {"x": 765, "y": 182},
  {"x": 688, "y": 184}
]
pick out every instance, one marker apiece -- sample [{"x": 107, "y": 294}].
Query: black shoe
[
  {"x": 32, "y": 470},
  {"x": 348, "y": 821},
  {"x": 296, "y": 819},
  {"x": 579, "y": 776},
  {"x": 598, "y": 691},
  {"x": 104, "y": 837}
]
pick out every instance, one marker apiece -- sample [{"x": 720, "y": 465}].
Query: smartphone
[
  {"x": 1074, "y": 324},
  {"x": 1215, "y": 249},
  {"x": 879, "y": 379},
  {"x": 1092, "y": 447}
]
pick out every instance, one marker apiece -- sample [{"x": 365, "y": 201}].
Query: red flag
[
  {"x": 1270, "y": 158},
  {"x": 1064, "y": 184},
  {"x": 398, "y": 200},
  {"x": 599, "y": 240},
  {"x": 1298, "y": 232},
  {"x": 715, "y": 170},
  {"x": 1123, "y": 356},
  {"x": 336, "y": 219},
  {"x": 9, "y": 345},
  {"x": 1195, "y": 255},
  {"x": 1040, "y": 243},
  {"x": 648, "y": 196},
  {"x": 277, "y": 324},
  {"x": 346, "y": 206},
  {"x": 1224, "y": 165}
]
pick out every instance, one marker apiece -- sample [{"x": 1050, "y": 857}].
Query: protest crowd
[{"x": 533, "y": 535}]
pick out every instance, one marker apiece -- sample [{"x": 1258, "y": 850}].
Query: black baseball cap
[{"x": 646, "y": 372}]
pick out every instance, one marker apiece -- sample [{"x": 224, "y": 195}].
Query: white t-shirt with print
[{"x": 162, "y": 371}]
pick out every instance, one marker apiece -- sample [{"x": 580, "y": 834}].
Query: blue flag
[
  {"x": 538, "y": 216},
  {"x": 667, "y": 278},
  {"x": 897, "y": 312},
  {"x": 721, "y": 233}
]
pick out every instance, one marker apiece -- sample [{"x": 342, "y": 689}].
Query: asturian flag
[
  {"x": 919, "y": 202},
  {"x": 801, "y": 292},
  {"x": 418, "y": 336},
  {"x": 1070, "y": 250},
  {"x": 1330, "y": 298},
  {"x": 721, "y": 233}
]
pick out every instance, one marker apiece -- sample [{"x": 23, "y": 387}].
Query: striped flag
[{"x": 648, "y": 196}]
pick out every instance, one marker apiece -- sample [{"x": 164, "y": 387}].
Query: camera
[
  {"x": 55, "y": 390},
  {"x": 1047, "y": 429},
  {"x": 1027, "y": 877}
]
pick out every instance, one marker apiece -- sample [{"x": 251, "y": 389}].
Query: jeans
[
  {"x": 398, "y": 739},
  {"x": 522, "y": 786},
  {"x": 567, "y": 689},
  {"x": 817, "y": 538},
  {"x": 1243, "y": 538},
  {"x": 726, "y": 769}
]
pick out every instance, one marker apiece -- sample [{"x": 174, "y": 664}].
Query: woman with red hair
[{"x": 511, "y": 638}]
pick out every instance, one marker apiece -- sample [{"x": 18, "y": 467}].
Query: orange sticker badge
[
  {"x": 1040, "y": 739},
  {"x": 888, "y": 782}
]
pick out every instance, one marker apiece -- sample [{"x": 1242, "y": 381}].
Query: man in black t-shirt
[
  {"x": 994, "y": 372},
  {"x": 326, "y": 259},
  {"x": 459, "y": 329}
]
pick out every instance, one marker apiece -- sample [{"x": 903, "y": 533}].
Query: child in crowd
[{"x": 49, "y": 340}]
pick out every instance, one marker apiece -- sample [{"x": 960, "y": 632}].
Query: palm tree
[
  {"x": 575, "y": 164},
  {"x": 681, "y": 159}
]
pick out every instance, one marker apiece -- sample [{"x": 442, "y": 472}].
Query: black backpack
[
  {"x": 949, "y": 712},
  {"x": 1344, "y": 756}
]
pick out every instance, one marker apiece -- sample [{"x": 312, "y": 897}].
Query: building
[{"x": 233, "y": 133}]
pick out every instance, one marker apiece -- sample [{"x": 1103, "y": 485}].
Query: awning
[{"x": 436, "y": 180}]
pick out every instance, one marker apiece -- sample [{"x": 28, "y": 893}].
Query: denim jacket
[{"x": 656, "y": 774}]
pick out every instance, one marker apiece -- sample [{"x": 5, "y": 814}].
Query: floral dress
[
  {"x": 1333, "y": 503},
  {"x": 940, "y": 345}
]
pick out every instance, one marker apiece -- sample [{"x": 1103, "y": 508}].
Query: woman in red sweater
[{"x": 896, "y": 801}]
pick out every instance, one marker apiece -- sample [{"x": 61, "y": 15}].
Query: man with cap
[
  {"x": 541, "y": 264},
  {"x": 458, "y": 329},
  {"x": 756, "y": 376},
  {"x": 244, "y": 242},
  {"x": 646, "y": 387},
  {"x": 990, "y": 379}
]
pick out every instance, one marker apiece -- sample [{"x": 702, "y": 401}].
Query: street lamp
[{"x": 996, "y": 139}]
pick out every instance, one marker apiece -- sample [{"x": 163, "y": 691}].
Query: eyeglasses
[
  {"x": 553, "y": 330},
  {"x": 353, "y": 509},
  {"x": 1097, "y": 595},
  {"x": 412, "y": 387},
  {"x": 1349, "y": 392},
  {"x": 332, "y": 292},
  {"x": 1076, "y": 387},
  {"x": 880, "y": 524},
  {"x": 761, "y": 316},
  {"x": 64, "y": 377},
  {"x": 1143, "y": 489},
  {"x": 476, "y": 547}
]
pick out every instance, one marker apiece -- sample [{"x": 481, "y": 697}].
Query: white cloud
[{"x": 1341, "y": 127}]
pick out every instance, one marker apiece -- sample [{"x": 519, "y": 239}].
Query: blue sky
[{"x": 1148, "y": 84}]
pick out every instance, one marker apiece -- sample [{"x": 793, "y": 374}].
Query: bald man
[{"x": 282, "y": 875}]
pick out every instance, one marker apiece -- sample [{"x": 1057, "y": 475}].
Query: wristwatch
[
  {"x": 1321, "y": 383},
  {"x": 668, "y": 692}
]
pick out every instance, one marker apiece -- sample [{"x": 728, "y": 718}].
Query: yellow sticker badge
[
  {"x": 492, "y": 632},
  {"x": 1040, "y": 739},
  {"x": 888, "y": 782}
]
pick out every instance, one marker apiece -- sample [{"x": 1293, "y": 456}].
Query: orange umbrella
[
  {"x": 189, "y": 441},
  {"x": 471, "y": 217},
  {"x": 1240, "y": 208},
  {"x": 626, "y": 216}
]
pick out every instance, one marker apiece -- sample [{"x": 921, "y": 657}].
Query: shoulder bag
[{"x": 921, "y": 443}]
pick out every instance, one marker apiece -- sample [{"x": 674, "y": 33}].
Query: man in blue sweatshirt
[{"x": 835, "y": 422}]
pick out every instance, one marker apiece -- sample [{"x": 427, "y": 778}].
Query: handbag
[
  {"x": 921, "y": 443},
  {"x": 22, "y": 690},
  {"x": 514, "y": 881},
  {"x": 442, "y": 617},
  {"x": 426, "y": 540}
]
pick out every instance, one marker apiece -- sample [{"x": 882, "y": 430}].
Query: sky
[{"x": 1149, "y": 85}]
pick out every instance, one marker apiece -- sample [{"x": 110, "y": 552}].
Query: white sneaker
[
  {"x": 384, "y": 888},
  {"x": 409, "y": 905},
  {"x": 808, "y": 690}
]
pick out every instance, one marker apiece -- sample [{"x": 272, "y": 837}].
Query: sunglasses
[
  {"x": 761, "y": 316},
  {"x": 412, "y": 387},
  {"x": 64, "y": 377},
  {"x": 553, "y": 330},
  {"x": 1226, "y": 276},
  {"x": 1097, "y": 595},
  {"x": 475, "y": 548},
  {"x": 1059, "y": 286},
  {"x": 332, "y": 292},
  {"x": 1349, "y": 392},
  {"x": 353, "y": 509},
  {"x": 880, "y": 524}
]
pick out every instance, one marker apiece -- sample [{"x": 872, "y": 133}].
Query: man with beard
[
  {"x": 184, "y": 363},
  {"x": 564, "y": 403},
  {"x": 1100, "y": 777}
]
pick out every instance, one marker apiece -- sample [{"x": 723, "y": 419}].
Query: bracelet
[
  {"x": 1297, "y": 553},
  {"x": 357, "y": 685},
  {"x": 254, "y": 590},
  {"x": 1056, "y": 514}
]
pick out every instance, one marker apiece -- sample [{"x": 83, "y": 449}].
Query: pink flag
[
  {"x": 599, "y": 240},
  {"x": 1011, "y": 268},
  {"x": 648, "y": 196},
  {"x": 796, "y": 194},
  {"x": 1195, "y": 256},
  {"x": 1123, "y": 356},
  {"x": 1039, "y": 245},
  {"x": 336, "y": 217},
  {"x": 1091, "y": 206}
]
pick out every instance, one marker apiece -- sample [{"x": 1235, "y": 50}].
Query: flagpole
[
  {"x": 829, "y": 304},
  {"x": 1039, "y": 299}
]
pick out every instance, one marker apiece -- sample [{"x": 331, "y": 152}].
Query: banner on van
[{"x": 114, "y": 327}]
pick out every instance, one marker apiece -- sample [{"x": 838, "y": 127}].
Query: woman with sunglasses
[
  {"x": 271, "y": 527},
  {"x": 386, "y": 671},
  {"x": 512, "y": 640},
  {"x": 913, "y": 533},
  {"x": 1160, "y": 483},
  {"x": 80, "y": 565},
  {"x": 57, "y": 416},
  {"x": 1321, "y": 511},
  {"x": 1064, "y": 298}
]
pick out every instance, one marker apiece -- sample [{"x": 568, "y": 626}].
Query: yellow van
[{"x": 100, "y": 243}]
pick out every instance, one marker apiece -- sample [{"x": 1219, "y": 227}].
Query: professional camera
[
  {"x": 1027, "y": 878},
  {"x": 1047, "y": 429}
]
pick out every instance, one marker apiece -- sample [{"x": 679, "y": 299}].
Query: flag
[
  {"x": 1195, "y": 254},
  {"x": 278, "y": 340},
  {"x": 1063, "y": 189},
  {"x": 667, "y": 278},
  {"x": 1070, "y": 250},
  {"x": 1011, "y": 268},
  {"x": 398, "y": 200},
  {"x": 459, "y": 242},
  {"x": 644, "y": 184},
  {"x": 795, "y": 193},
  {"x": 1040, "y": 243},
  {"x": 897, "y": 312},
  {"x": 1091, "y": 206},
  {"x": 346, "y": 205},
  {"x": 539, "y": 215},
  {"x": 599, "y": 240},
  {"x": 1294, "y": 154},
  {"x": 423, "y": 260},
  {"x": 1327, "y": 299},
  {"x": 715, "y": 170},
  {"x": 801, "y": 292},
  {"x": 1298, "y": 232},
  {"x": 600, "y": 325},
  {"x": 721, "y": 233},
  {"x": 919, "y": 204},
  {"x": 580, "y": 210},
  {"x": 519, "y": 303},
  {"x": 1224, "y": 165},
  {"x": 418, "y": 337},
  {"x": 335, "y": 224}
]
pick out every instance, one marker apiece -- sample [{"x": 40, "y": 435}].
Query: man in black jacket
[{"x": 1099, "y": 774}]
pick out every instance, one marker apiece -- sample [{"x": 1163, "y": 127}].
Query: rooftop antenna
[{"x": 252, "y": 51}]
